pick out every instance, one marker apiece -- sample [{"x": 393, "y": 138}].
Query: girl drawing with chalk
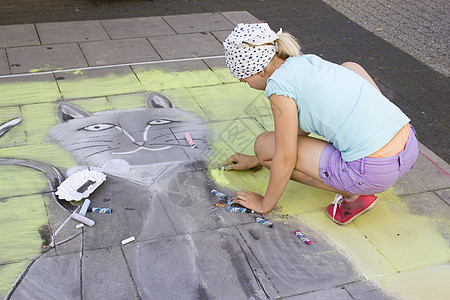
[{"x": 369, "y": 141}]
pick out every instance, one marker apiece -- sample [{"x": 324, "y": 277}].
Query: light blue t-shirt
[{"x": 337, "y": 104}]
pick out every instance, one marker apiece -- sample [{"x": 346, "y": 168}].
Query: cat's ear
[
  {"x": 158, "y": 100},
  {"x": 4, "y": 128},
  {"x": 68, "y": 111}
]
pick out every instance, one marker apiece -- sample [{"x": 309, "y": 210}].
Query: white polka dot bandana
[{"x": 244, "y": 60}]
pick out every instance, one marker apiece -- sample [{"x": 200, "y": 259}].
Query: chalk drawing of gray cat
[{"x": 137, "y": 144}]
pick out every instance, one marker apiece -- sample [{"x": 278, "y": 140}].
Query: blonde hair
[{"x": 287, "y": 45}]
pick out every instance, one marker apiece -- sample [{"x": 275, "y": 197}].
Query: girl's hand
[
  {"x": 239, "y": 161},
  {"x": 250, "y": 200}
]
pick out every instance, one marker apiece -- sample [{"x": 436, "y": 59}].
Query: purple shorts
[{"x": 368, "y": 175}]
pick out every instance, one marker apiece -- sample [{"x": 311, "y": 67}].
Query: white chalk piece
[
  {"x": 82, "y": 219},
  {"x": 85, "y": 207},
  {"x": 78, "y": 226},
  {"x": 128, "y": 240}
]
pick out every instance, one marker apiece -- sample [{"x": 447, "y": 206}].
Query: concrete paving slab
[
  {"x": 186, "y": 45},
  {"x": 221, "y": 35},
  {"x": 220, "y": 68},
  {"x": 349, "y": 239},
  {"x": 98, "y": 82},
  {"x": 292, "y": 266},
  {"x": 188, "y": 201},
  {"x": 135, "y": 212},
  {"x": 75, "y": 31},
  {"x": 420, "y": 283},
  {"x": 426, "y": 247},
  {"x": 18, "y": 35},
  {"x": 62, "y": 278},
  {"x": 28, "y": 89},
  {"x": 4, "y": 66},
  {"x": 198, "y": 22},
  {"x": 209, "y": 264},
  {"x": 136, "y": 27},
  {"x": 45, "y": 58},
  {"x": 118, "y": 51},
  {"x": 237, "y": 17},
  {"x": 22, "y": 239},
  {"x": 105, "y": 275},
  {"x": 175, "y": 75}
]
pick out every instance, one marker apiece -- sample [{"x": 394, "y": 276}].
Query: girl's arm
[{"x": 285, "y": 117}]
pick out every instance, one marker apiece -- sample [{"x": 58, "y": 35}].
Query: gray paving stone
[
  {"x": 367, "y": 290},
  {"x": 75, "y": 31},
  {"x": 44, "y": 58},
  {"x": 186, "y": 45},
  {"x": 292, "y": 266},
  {"x": 221, "y": 35},
  {"x": 188, "y": 201},
  {"x": 29, "y": 89},
  {"x": 220, "y": 68},
  {"x": 119, "y": 51},
  {"x": 66, "y": 237},
  {"x": 4, "y": 68},
  {"x": 135, "y": 212},
  {"x": 175, "y": 75},
  {"x": 52, "y": 277},
  {"x": 136, "y": 27},
  {"x": 334, "y": 293},
  {"x": 445, "y": 195},
  {"x": 18, "y": 35},
  {"x": 206, "y": 265},
  {"x": 91, "y": 83},
  {"x": 198, "y": 22},
  {"x": 106, "y": 276},
  {"x": 431, "y": 206},
  {"x": 237, "y": 17}
]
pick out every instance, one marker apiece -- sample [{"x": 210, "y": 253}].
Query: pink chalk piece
[
  {"x": 189, "y": 140},
  {"x": 82, "y": 219}
]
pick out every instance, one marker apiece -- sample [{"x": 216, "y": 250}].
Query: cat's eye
[
  {"x": 159, "y": 122},
  {"x": 98, "y": 127}
]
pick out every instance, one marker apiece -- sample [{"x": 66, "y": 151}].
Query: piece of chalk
[
  {"x": 82, "y": 219},
  {"x": 241, "y": 210},
  {"x": 78, "y": 226},
  {"x": 85, "y": 207},
  {"x": 264, "y": 222},
  {"x": 189, "y": 140},
  {"x": 222, "y": 196},
  {"x": 302, "y": 237},
  {"x": 100, "y": 210},
  {"x": 128, "y": 240}
]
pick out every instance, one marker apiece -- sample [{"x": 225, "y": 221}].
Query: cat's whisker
[
  {"x": 91, "y": 146},
  {"x": 101, "y": 152},
  {"x": 86, "y": 142},
  {"x": 104, "y": 141}
]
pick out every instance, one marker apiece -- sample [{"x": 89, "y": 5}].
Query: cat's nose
[{"x": 140, "y": 144}]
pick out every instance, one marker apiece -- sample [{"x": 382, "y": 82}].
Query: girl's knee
[{"x": 262, "y": 143}]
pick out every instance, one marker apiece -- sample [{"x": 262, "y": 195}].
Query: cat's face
[{"x": 139, "y": 136}]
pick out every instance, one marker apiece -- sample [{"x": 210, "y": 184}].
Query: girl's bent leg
[{"x": 306, "y": 170}]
